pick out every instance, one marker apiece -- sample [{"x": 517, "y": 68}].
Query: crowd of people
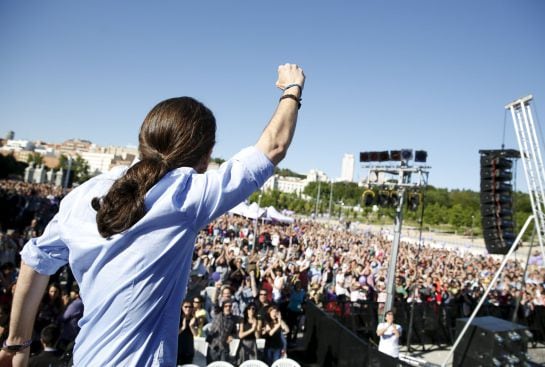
[
  {"x": 246, "y": 286},
  {"x": 26, "y": 210}
]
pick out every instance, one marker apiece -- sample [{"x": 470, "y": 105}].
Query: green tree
[
  {"x": 285, "y": 172},
  {"x": 456, "y": 216},
  {"x": 217, "y": 160},
  {"x": 439, "y": 196},
  {"x": 35, "y": 158},
  {"x": 9, "y": 166},
  {"x": 79, "y": 168},
  {"x": 466, "y": 198}
]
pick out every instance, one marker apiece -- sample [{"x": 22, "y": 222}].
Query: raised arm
[
  {"x": 276, "y": 137},
  {"x": 26, "y": 300}
]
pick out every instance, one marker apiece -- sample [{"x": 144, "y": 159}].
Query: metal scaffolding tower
[{"x": 532, "y": 160}]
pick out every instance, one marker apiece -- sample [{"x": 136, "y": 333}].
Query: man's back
[{"x": 46, "y": 359}]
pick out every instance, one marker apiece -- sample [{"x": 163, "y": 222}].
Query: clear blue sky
[{"x": 381, "y": 75}]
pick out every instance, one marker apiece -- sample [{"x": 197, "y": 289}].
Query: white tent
[
  {"x": 240, "y": 209},
  {"x": 253, "y": 211},
  {"x": 276, "y": 216}
]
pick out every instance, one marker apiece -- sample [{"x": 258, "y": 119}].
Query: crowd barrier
[
  {"x": 432, "y": 323},
  {"x": 328, "y": 342}
]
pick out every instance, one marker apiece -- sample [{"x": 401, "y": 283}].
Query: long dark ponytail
[{"x": 178, "y": 132}]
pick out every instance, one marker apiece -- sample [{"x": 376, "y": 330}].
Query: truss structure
[
  {"x": 530, "y": 153},
  {"x": 532, "y": 160},
  {"x": 401, "y": 180}
]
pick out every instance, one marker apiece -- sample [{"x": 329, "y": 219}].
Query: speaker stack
[
  {"x": 492, "y": 342},
  {"x": 497, "y": 199}
]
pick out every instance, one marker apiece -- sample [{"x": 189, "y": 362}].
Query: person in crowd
[
  {"x": 8, "y": 248},
  {"x": 248, "y": 331},
  {"x": 200, "y": 323},
  {"x": 186, "y": 333},
  {"x": 50, "y": 356},
  {"x": 279, "y": 281},
  {"x": 237, "y": 272},
  {"x": 226, "y": 295},
  {"x": 262, "y": 305},
  {"x": 221, "y": 333},
  {"x": 199, "y": 308},
  {"x": 128, "y": 234},
  {"x": 8, "y": 276},
  {"x": 51, "y": 307},
  {"x": 68, "y": 320},
  {"x": 4, "y": 321},
  {"x": 389, "y": 333},
  {"x": 275, "y": 341},
  {"x": 295, "y": 310},
  {"x": 247, "y": 292}
]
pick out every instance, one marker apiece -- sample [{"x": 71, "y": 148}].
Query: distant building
[
  {"x": 347, "y": 168},
  {"x": 74, "y": 146},
  {"x": 294, "y": 185},
  {"x": 316, "y": 175},
  {"x": 285, "y": 184},
  {"x": 18, "y": 145},
  {"x": 98, "y": 162},
  {"x": 44, "y": 149}
]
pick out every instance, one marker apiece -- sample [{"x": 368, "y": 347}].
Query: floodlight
[
  {"x": 364, "y": 156},
  {"x": 394, "y": 199},
  {"x": 373, "y": 156},
  {"x": 406, "y": 154},
  {"x": 383, "y": 199},
  {"x": 395, "y": 155},
  {"x": 420, "y": 156},
  {"x": 383, "y": 156},
  {"x": 368, "y": 197}
]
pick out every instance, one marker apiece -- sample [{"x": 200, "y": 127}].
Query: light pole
[
  {"x": 317, "y": 198},
  {"x": 68, "y": 169},
  {"x": 330, "y": 199},
  {"x": 391, "y": 275},
  {"x": 472, "y": 226},
  {"x": 256, "y": 236},
  {"x": 401, "y": 179}
]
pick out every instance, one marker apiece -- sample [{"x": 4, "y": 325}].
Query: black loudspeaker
[
  {"x": 490, "y": 341},
  {"x": 497, "y": 201}
]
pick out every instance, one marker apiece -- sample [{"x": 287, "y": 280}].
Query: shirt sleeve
[
  {"x": 47, "y": 253},
  {"x": 222, "y": 189}
]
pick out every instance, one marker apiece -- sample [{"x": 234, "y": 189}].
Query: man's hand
[{"x": 290, "y": 74}]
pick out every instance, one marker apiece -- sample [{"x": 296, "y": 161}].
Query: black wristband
[
  {"x": 17, "y": 347},
  {"x": 294, "y": 97}
]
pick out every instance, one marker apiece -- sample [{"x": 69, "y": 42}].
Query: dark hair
[
  {"x": 178, "y": 132},
  {"x": 50, "y": 335},
  {"x": 245, "y": 313}
]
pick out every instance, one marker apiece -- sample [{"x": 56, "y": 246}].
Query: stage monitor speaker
[{"x": 490, "y": 341}]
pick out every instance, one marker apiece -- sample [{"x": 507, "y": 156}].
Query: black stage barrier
[
  {"x": 327, "y": 342},
  {"x": 432, "y": 323}
]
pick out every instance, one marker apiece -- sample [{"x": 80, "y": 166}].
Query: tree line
[
  {"x": 439, "y": 208},
  {"x": 450, "y": 210}
]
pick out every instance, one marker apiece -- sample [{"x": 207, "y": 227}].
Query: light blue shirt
[{"x": 132, "y": 284}]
